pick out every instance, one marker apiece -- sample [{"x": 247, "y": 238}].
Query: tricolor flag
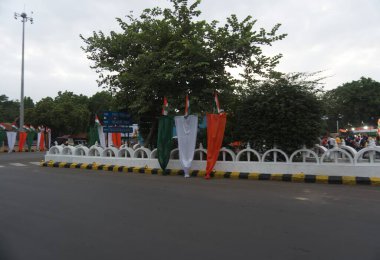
[
  {"x": 187, "y": 106},
  {"x": 97, "y": 121},
  {"x": 26, "y": 128},
  {"x": 165, "y": 107},
  {"x": 32, "y": 128},
  {"x": 217, "y": 106},
  {"x": 14, "y": 127},
  {"x": 2, "y": 127}
]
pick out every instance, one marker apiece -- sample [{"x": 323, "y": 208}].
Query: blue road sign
[{"x": 117, "y": 129}]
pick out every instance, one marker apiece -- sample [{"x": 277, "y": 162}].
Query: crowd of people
[{"x": 357, "y": 142}]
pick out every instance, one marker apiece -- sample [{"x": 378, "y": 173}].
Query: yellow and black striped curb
[
  {"x": 17, "y": 151},
  {"x": 297, "y": 177}
]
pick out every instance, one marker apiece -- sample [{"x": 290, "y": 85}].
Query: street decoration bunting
[
  {"x": 116, "y": 139},
  {"x": 101, "y": 135},
  {"x": 97, "y": 121},
  {"x": 109, "y": 138},
  {"x": 11, "y": 137},
  {"x": 41, "y": 139},
  {"x": 21, "y": 140},
  {"x": 165, "y": 136},
  {"x": 2, "y": 136},
  {"x": 2, "y": 127},
  {"x": 216, "y": 124},
  {"x": 48, "y": 131},
  {"x": 165, "y": 107},
  {"x": 14, "y": 127},
  {"x": 29, "y": 138},
  {"x": 186, "y": 128},
  {"x": 187, "y": 106}
]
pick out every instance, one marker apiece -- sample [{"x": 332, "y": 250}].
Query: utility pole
[{"x": 24, "y": 18}]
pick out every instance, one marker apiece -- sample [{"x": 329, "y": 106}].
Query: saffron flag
[
  {"x": 21, "y": 141},
  {"x": 216, "y": 124},
  {"x": 116, "y": 139}
]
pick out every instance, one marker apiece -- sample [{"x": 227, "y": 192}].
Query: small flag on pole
[
  {"x": 2, "y": 127},
  {"x": 165, "y": 107},
  {"x": 32, "y": 128},
  {"x": 97, "y": 121},
  {"x": 217, "y": 106},
  {"x": 14, "y": 127},
  {"x": 26, "y": 128},
  {"x": 187, "y": 106}
]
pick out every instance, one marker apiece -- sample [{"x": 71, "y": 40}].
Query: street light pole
[{"x": 24, "y": 18}]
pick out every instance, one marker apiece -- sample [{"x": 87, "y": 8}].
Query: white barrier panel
[{"x": 334, "y": 162}]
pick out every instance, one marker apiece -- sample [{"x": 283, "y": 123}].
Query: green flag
[
  {"x": 2, "y": 137},
  {"x": 93, "y": 136},
  {"x": 165, "y": 140},
  {"x": 29, "y": 139}
]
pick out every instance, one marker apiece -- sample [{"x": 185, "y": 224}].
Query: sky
[{"x": 340, "y": 38}]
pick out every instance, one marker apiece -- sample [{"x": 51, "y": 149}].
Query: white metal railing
[{"x": 318, "y": 155}]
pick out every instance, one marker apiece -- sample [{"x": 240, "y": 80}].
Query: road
[{"x": 52, "y": 213}]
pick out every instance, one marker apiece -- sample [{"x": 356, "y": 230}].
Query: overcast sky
[{"x": 341, "y": 37}]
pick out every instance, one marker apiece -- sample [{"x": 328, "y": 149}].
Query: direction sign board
[
  {"x": 117, "y": 129},
  {"x": 116, "y": 118}
]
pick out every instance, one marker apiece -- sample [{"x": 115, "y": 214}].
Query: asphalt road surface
[{"x": 51, "y": 213}]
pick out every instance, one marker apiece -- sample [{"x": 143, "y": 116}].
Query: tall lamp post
[{"x": 24, "y": 18}]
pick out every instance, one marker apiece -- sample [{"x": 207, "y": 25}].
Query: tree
[
  {"x": 281, "y": 112},
  {"x": 100, "y": 102},
  {"x": 353, "y": 103},
  {"x": 66, "y": 114},
  {"x": 9, "y": 109},
  {"x": 171, "y": 52}
]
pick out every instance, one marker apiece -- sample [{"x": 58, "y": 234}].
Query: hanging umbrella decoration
[
  {"x": 165, "y": 136},
  {"x": 216, "y": 124},
  {"x": 187, "y": 127}
]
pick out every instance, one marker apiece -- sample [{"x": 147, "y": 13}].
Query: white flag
[{"x": 187, "y": 137}]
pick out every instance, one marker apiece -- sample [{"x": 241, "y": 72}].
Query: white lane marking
[
  {"x": 35, "y": 163},
  {"x": 17, "y": 164},
  {"x": 301, "y": 198},
  {"x": 1, "y": 166}
]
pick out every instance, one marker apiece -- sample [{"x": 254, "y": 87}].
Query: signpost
[{"x": 117, "y": 122}]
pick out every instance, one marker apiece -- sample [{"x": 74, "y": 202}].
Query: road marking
[
  {"x": 17, "y": 164},
  {"x": 1, "y": 166},
  {"x": 301, "y": 198},
  {"x": 35, "y": 163}
]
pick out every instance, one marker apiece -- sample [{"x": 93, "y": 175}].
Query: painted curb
[
  {"x": 17, "y": 151},
  {"x": 296, "y": 177}
]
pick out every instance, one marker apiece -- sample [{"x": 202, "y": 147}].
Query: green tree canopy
[
  {"x": 171, "y": 52},
  {"x": 354, "y": 103},
  {"x": 282, "y": 112},
  {"x": 66, "y": 114},
  {"x": 9, "y": 109}
]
